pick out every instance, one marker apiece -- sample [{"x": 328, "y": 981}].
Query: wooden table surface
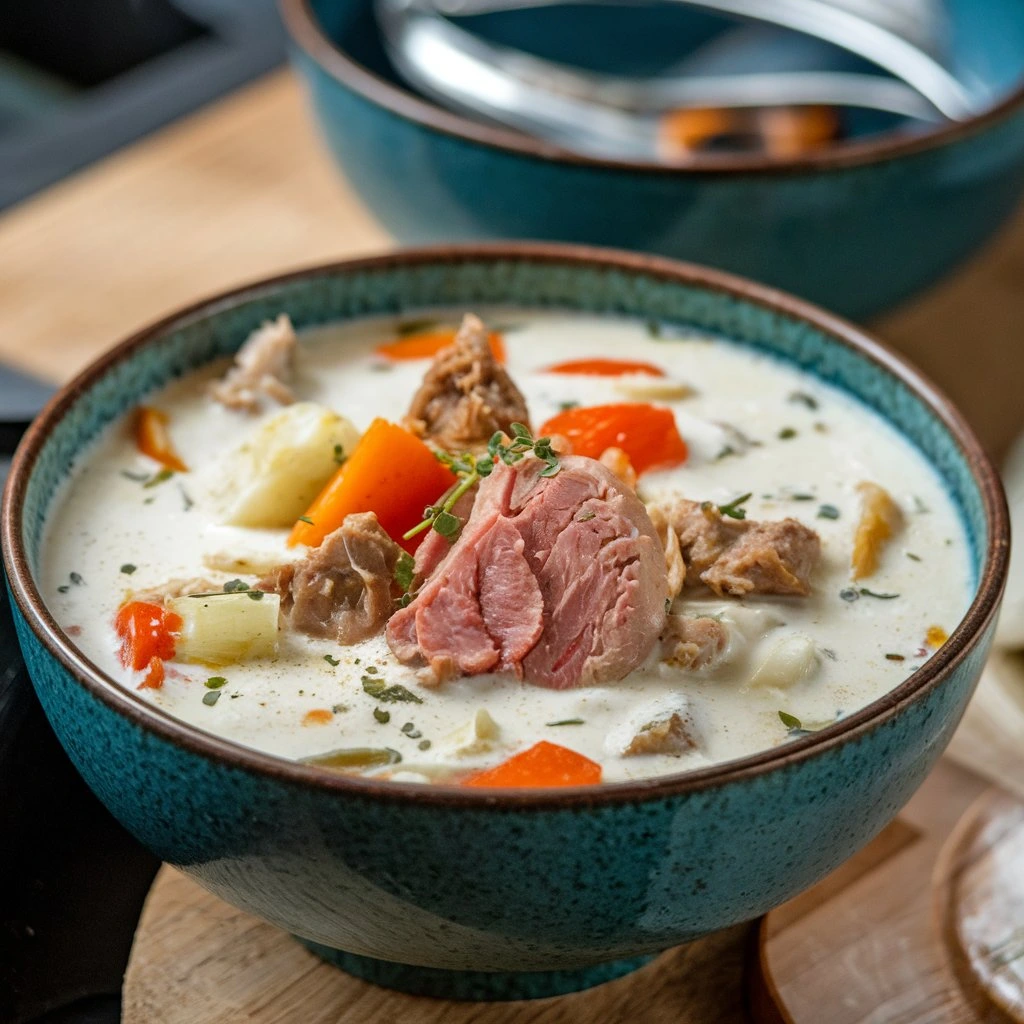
[{"x": 245, "y": 189}]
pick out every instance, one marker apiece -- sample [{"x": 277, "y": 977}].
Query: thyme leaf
[
  {"x": 734, "y": 509},
  {"x": 394, "y": 694},
  {"x": 791, "y": 722}
]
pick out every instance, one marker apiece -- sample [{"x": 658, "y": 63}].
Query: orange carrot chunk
[
  {"x": 390, "y": 472},
  {"x": 147, "y": 632},
  {"x": 154, "y": 677},
  {"x": 154, "y": 440},
  {"x": 606, "y": 367},
  {"x": 646, "y": 433},
  {"x": 542, "y": 766},
  {"x": 426, "y": 345}
]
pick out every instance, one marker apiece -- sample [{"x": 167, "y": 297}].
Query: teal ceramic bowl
[
  {"x": 501, "y": 894},
  {"x": 857, "y": 228}
]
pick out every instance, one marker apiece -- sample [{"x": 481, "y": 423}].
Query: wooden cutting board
[{"x": 921, "y": 927}]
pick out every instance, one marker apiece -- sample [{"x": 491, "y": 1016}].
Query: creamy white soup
[{"x": 794, "y": 560}]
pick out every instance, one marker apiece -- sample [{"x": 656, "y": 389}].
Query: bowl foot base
[{"x": 474, "y": 985}]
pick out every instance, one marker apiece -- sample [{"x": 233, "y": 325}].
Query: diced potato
[
  {"x": 880, "y": 518},
  {"x": 222, "y": 629},
  {"x": 477, "y": 736},
  {"x": 791, "y": 660},
  {"x": 273, "y": 478},
  {"x": 642, "y": 387}
]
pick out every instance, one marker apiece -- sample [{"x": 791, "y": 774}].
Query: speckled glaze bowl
[
  {"x": 501, "y": 894},
  {"x": 856, "y": 227}
]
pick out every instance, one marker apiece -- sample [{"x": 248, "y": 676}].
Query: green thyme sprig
[
  {"x": 470, "y": 469},
  {"x": 733, "y": 509}
]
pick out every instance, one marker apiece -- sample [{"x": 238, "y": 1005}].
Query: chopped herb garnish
[
  {"x": 139, "y": 478},
  {"x": 828, "y": 512},
  {"x": 802, "y": 398},
  {"x": 565, "y": 721},
  {"x": 829, "y": 653},
  {"x": 370, "y": 669},
  {"x": 158, "y": 478},
  {"x": 254, "y": 595},
  {"x": 734, "y": 509},
  {"x": 404, "y": 601},
  {"x": 423, "y": 744},
  {"x": 382, "y": 716},
  {"x": 339, "y": 455},
  {"x": 791, "y": 722},
  {"x": 726, "y": 452},
  {"x": 211, "y": 698},
  {"x": 396, "y": 693},
  {"x": 186, "y": 500},
  {"x": 566, "y": 406},
  {"x": 331, "y": 660},
  {"x": 76, "y": 579},
  {"x": 215, "y": 682},
  {"x": 895, "y": 657},
  {"x": 787, "y": 434},
  {"x": 128, "y": 568},
  {"x": 799, "y": 496},
  {"x": 469, "y": 468},
  {"x": 920, "y": 507},
  {"x": 355, "y": 757},
  {"x": 913, "y": 557},
  {"x": 339, "y": 709},
  {"x": 874, "y": 593},
  {"x": 585, "y": 517},
  {"x": 408, "y": 727},
  {"x": 411, "y": 731},
  {"x": 404, "y": 570},
  {"x": 63, "y": 588},
  {"x": 849, "y": 594},
  {"x": 233, "y": 586},
  {"x": 306, "y": 520},
  {"x": 654, "y": 328}
]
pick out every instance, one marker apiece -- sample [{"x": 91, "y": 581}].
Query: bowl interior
[
  {"x": 985, "y": 42},
  {"x": 533, "y": 278}
]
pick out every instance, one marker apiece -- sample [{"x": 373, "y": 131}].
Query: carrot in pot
[
  {"x": 646, "y": 433},
  {"x": 390, "y": 472},
  {"x": 153, "y": 439},
  {"x": 542, "y": 766},
  {"x": 426, "y": 345},
  {"x": 606, "y": 368},
  {"x": 147, "y": 634}
]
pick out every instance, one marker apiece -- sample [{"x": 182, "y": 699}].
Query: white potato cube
[
  {"x": 475, "y": 737},
  {"x": 791, "y": 660},
  {"x": 272, "y": 479},
  {"x": 222, "y": 629}
]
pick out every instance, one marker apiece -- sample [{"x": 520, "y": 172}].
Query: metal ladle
[{"x": 605, "y": 115}]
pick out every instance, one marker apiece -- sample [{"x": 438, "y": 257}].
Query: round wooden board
[
  {"x": 979, "y": 887},
  {"x": 197, "y": 960}
]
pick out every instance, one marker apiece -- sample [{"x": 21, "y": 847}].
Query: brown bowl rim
[
  {"x": 306, "y": 32},
  {"x": 134, "y": 707}
]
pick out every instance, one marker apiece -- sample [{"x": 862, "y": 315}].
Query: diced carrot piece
[
  {"x": 317, "y": 716},
  {"x": 154, "y": 677},
  {"x": 427, "y": 344},
  {"x": 646, "y": 433},
  {"x": 146, "y": 631},
  {"x": 606, "y": 368},
  {"x": 154, "y": 440},
  {"x": 542, "y": 766},
  {"x": 390, "y": 472}
]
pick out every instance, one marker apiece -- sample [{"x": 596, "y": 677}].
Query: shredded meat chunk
[
  {"x": 743, "y": 556},
  {"x": 672, "y": 734},
  {"x": 693, "y": 643},
  {"x": 466, "y": 395},
  {"x": 342, "y": 590},
  {"x": 262, "y": 367}
]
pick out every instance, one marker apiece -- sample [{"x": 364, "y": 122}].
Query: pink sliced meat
[{"x": 560, "y": 580}]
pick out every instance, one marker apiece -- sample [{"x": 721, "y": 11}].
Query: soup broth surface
[{"x": 753, "y": 425}]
